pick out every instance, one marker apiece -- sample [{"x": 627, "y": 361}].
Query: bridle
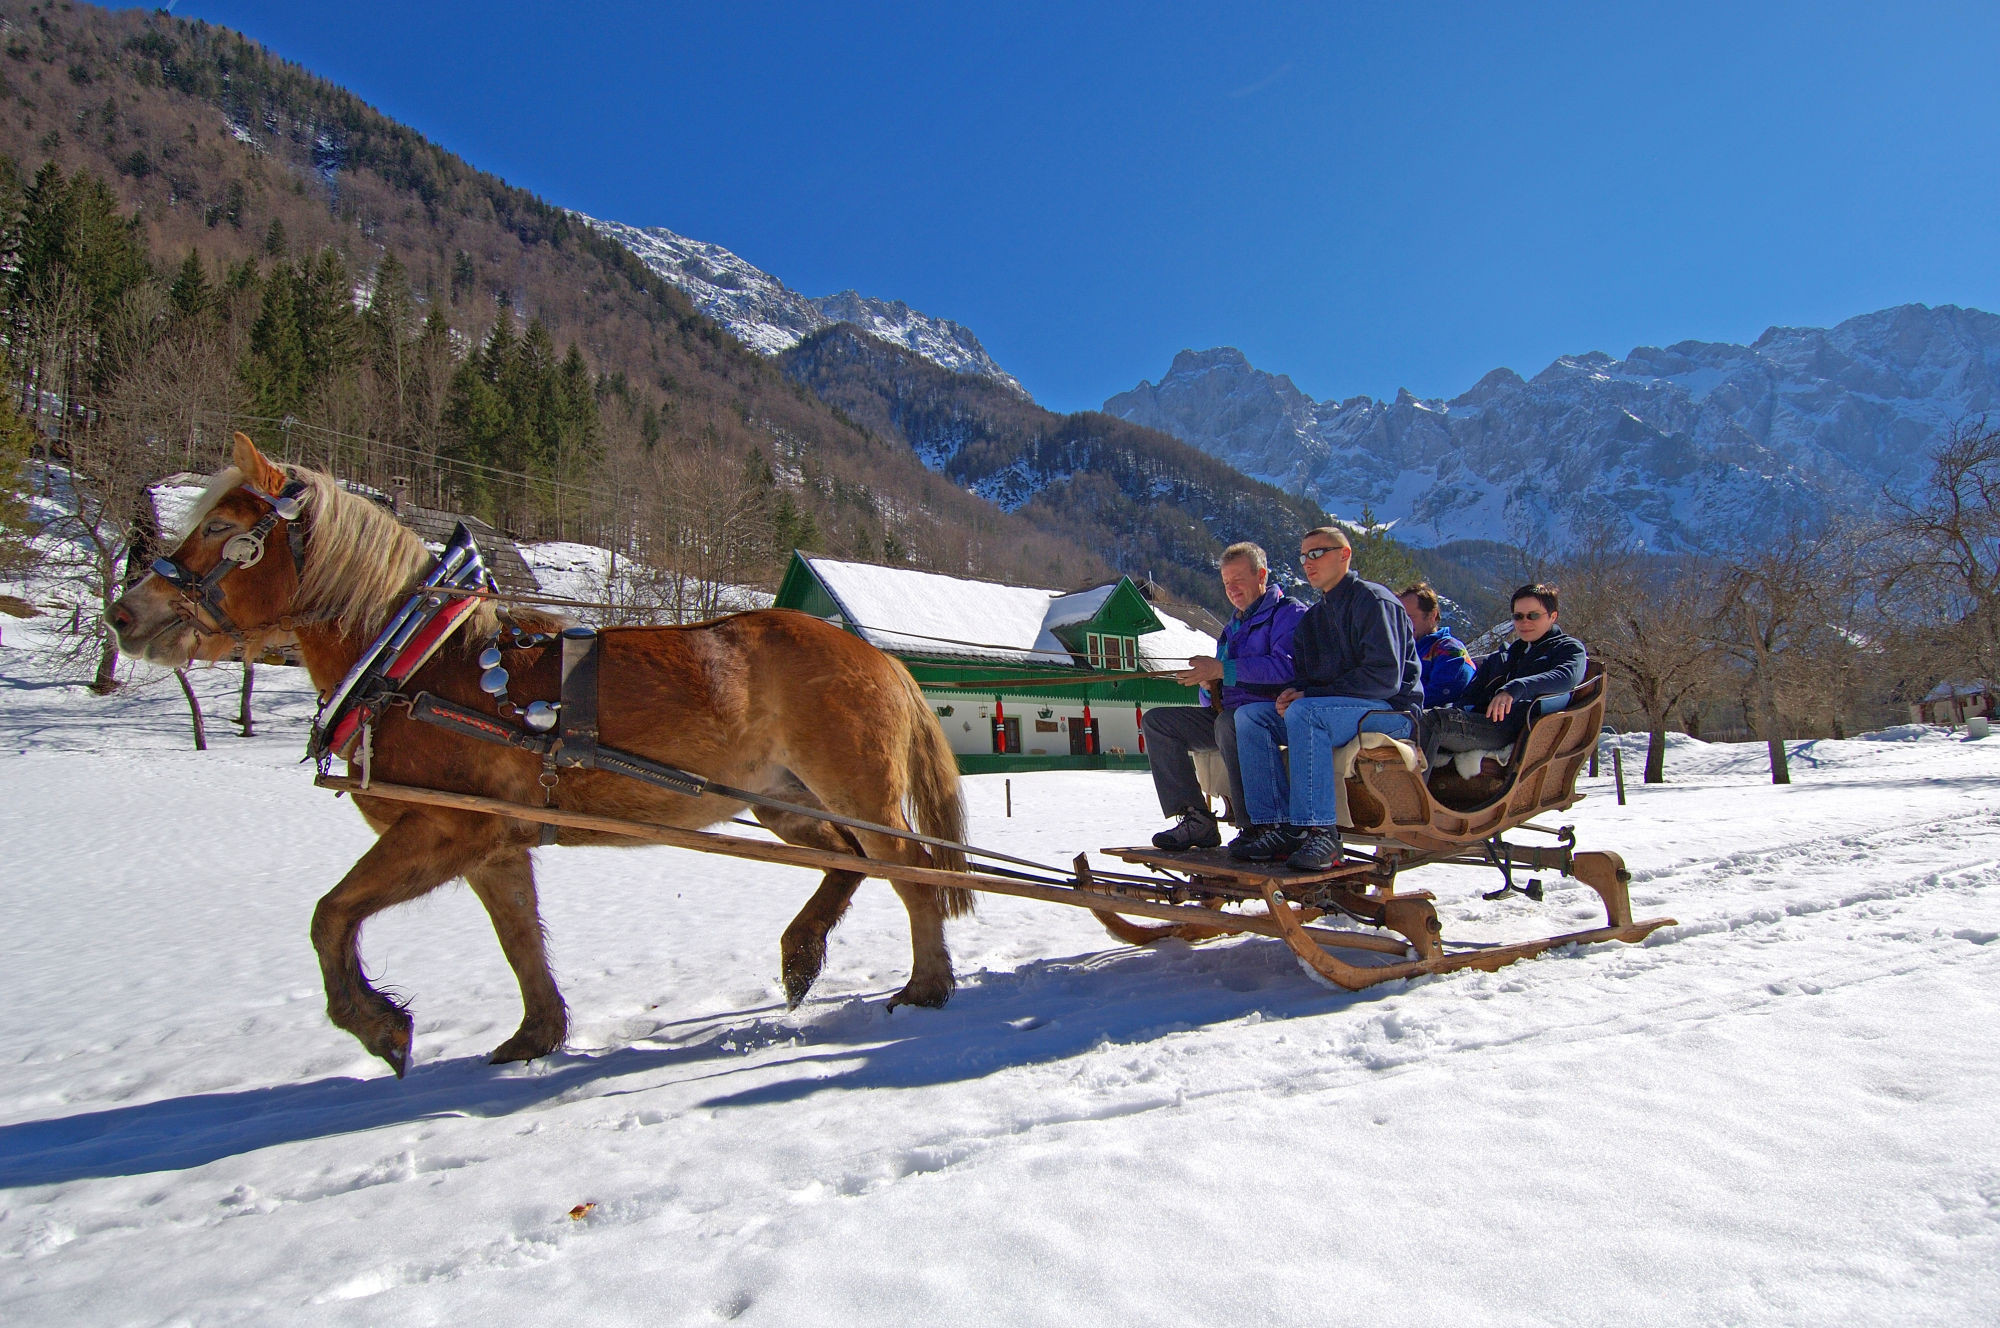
[{"x": 203, "y": 594}]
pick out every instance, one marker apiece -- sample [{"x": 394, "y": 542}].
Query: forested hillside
[
  {"x": 1140, "y": 499},
  {"x": 209, "y": 237}
]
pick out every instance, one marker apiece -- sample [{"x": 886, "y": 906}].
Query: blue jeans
[{"x": 1313, "y": 727}]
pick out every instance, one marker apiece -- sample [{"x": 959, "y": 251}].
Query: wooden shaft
[{"x": 703, "y": 841}]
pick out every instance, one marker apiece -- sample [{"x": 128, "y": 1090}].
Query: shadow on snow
[{"x": 1044, "y": 1011}]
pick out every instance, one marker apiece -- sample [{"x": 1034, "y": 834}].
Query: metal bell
[
  {"x": 540, "y": 716},
  {"x": 489, "y": 658},
  {"x": 493, "y": 682}
]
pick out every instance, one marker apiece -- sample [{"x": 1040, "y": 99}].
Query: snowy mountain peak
[
  {"x": 1672, "y": 445},
  {"x": 770, "y": 317}
]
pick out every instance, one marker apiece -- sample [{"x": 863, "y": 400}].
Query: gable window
[
  {"x": 1096, "y": 644},
  {"x": 1131, "y": 653}
]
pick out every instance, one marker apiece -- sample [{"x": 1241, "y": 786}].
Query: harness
[
  {"x": 412, "y": 635},
  {"x": 203, "y": 594},
  {"x": 563, "y": 733}
]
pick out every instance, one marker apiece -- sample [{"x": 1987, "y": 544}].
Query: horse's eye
[{"x": 217, "y": 528}]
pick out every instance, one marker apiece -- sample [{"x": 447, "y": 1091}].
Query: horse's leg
[
  {"x": 803, "y": 951},
  {"x": 505, "y": 883},
  {"x": 414, "y": 856},
  {"x": 931, "y": 982}
]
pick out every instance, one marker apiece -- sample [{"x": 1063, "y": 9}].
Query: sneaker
[
  {"x": 1245, "y": 835},
  {"x": 1318, "y": 851},
  {"x": 1193, "y": 831},
  {"x": 1268, "y": 844}
]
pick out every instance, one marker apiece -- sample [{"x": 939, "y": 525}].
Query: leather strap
[{"x": 576, "y": 724}]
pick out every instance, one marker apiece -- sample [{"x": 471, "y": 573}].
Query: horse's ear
[{"x": 256, "y": 467}]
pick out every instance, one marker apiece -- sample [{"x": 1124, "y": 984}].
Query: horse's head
[{"x": 232, "y": 577}]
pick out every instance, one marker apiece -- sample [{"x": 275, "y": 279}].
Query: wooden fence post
[{"x": 1618, "y": 769}]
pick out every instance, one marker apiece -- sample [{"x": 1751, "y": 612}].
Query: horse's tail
[{"x": 940, "y": 811}]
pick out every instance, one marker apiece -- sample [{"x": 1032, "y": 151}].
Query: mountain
[
  {"x": 1675, "y": 445},
  {"x": 770, "y": 317},
  {"x": 213, "y": 151},
  {"x": 1141, "y": 500}
]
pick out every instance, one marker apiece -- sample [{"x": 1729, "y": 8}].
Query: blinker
[{"x": 172, "y": 573}]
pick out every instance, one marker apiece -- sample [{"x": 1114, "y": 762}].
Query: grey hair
[{"x": 1245, "y": 549}]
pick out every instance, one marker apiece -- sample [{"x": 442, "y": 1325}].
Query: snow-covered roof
[
  {"x": 1175, "y": 645},
  {"x": 1945, "y": 690},
  {"x": 898, "y": 608}
]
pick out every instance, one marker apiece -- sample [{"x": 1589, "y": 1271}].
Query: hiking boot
[
  {"x": 1318, "y": 851},
  {"x": 1264, "y": 843},
  {"x": 1194, "y": 830}
]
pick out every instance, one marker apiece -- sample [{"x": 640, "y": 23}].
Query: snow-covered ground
[{"x": 1779, "y": 1111}]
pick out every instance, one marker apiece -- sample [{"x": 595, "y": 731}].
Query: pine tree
[
  {"x": 17, "y": 553},
  {"x": 275, "y": 371},
  {"x": 275, "y": 244},
  {"x": 190, "y": 295}
]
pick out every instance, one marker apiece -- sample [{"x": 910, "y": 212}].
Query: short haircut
[
  {"x": 1539, "y": 590},
  {"x": 1334, "y": 533},
  {"x": 1245, "y": 549},
  {"x": 1421, "y": 592}
]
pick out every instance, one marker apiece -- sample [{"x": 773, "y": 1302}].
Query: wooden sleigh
[{"x": 1394, "y": 821}]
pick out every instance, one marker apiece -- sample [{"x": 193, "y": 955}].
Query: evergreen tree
[
  {"x": 275, "y": 371},
  {"x": 17, "y": 554},
  {"x": 329, "y": 327},
  {"x": 190, "y": 295},
  {"x": 275, "y": 244}
]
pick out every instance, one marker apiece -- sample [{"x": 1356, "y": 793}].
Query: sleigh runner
[{"x": 473, "y": 734}]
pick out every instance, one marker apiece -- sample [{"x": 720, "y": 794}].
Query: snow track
[{"x": 1778, "y": 1111}]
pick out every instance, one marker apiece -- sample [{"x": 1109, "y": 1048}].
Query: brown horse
[{"x": 772, "y": 702}]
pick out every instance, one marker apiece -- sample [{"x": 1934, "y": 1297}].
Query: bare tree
[
  {"x": 1781, "y": 602},
  {"x": 1948, "y": 538},
  {"x": 1646, "y": 618}
]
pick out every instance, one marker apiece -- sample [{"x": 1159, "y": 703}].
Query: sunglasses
[
  {"x": 1314, "y": 555},
  {"x": 1536, "y": 616}
]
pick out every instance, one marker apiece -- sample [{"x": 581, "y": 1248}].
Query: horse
[{"x": 769, "y": 701}]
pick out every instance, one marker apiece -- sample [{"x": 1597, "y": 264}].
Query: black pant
[
  {"x": 1449, "y": 729},
  {"x": 1172, "y": 732}
]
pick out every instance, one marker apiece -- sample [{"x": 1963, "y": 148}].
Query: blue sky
[{"x": 1364, "y": 196}]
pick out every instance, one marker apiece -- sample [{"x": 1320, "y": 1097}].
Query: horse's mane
[{"x": 361, "y": 562}]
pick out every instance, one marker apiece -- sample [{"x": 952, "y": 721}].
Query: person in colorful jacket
[
  {"x": 1447, "y": 663},
  {"x": 1252, "y": 663}
]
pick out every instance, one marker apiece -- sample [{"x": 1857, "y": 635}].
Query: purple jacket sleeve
[{"x": 1273, "y": 669}]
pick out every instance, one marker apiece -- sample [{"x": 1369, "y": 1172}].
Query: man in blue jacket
[
  {"x": 1543, "y": 661},
  {"x": 1447, "y": 663},
  {"x": 1253, "y": 663},
  {"x": 1354, "y": 659}
]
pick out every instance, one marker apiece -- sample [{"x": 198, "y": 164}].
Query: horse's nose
[{"x": 120, "y": 617}]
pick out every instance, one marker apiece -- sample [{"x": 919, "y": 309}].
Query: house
[
  {"x": 1955, "y": 702},
  {"x": 997, "y": 662}
]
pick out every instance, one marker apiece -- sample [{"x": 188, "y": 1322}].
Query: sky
[{"x": 1363, "y": 196}]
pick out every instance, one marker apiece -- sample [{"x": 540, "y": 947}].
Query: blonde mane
[{"x": 361, "y": 562}]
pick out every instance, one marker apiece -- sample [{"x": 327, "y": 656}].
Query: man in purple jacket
[{"x": 1253, "y": 663}]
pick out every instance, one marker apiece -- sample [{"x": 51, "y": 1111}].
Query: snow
[
  {"x": 585, "y": 572},
  {"x": 1778, "y": 1111}
]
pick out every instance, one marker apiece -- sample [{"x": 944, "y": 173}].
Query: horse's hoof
[
  {"x": 524, "y": 1046},
  {"x": 798, "y": 981},
  {"x": 394, "y": 1048},
  {"x": 930, "y": 995}
]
